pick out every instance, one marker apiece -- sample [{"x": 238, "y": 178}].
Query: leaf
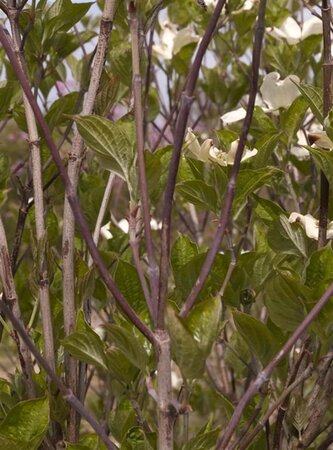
[
  {"x": 113, "y": 143},
  {"x": 319, "y": 267},
  {"x": 119, "y": 367},
  {"x": 85, "y": 345},
  {"x": 323, "y": 159},
  {"x": 284, "y": 298},
  {"x": 265, "y": 146},
  {"x": 62, "y": 15},
  {"x": 291, "y": 120},
  {"x": 205, "y": 440},
  {"x": 313, "y": 95},
  {"x": 199, "y": 193},
  {"x": 64, "y": 105},
  {"x": 128, "y": 344},
  {"x": 295, "y": 234},
  {"x": 182, "y": 252},
  {"x": 121, "y": 419},
  {"x": 26, "y": 425},
  {"x": 266, "y": 210},
  {"x": 203, "y": 323},
  {"x": 127, "y": 280},
  {"x": 108, "y": 93},
  {"x": 249, "y": 180},
  {"x": 257, "y": 336},
  {"x": 184, "y": 348}
]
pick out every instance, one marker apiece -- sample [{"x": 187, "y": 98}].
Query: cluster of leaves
[{"x": 274, "y": 271}]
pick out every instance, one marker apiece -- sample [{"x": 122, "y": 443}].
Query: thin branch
[
  {"x": 138, "y": 111},
  {"x": 265, "y": 374},
  {"x": 72, "y": 196},
  {"x": 230, "y": 193},
  {"x": 41, "y": 234},
  {"x": 185, "y": 106},
  {"x": 66, "y": 393},
  {"x": 327, "y": 99},
  {"x": 8, "y": 286}
]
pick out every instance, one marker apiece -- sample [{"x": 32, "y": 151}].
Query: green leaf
[
  {"x": 267, "y": 210},
  {"x": 249, "y": 180},
  {"x": 257, "y": 336},
  {"x": 295, "y": 234},
  {"x": 85, "y": 345},
  {"x": 114, "y": 144},
  {"x": 62, "y": 15},
  {"x": 119, "y": 367},
  {"x": 185, "y": 349},
  {"x": 25, "y": 425},
  {"x": 199, "y": 193},
  {"x": 128, "y": 344},
  {"x": 127, "y": 279},
  {"x": 323, "y": 160},
  {"x": 182, "y": 252},
  {"x": 319, "y": 267},
  {"x": 313, "y": 95},
  {"x": 108, "y": 93},
  {"x": 284, "y": 298},
  {"x": 64, "y": 105},
  {"x": 291, "y": 120},
  {"x": 205, "y": 440},
  {"x": 203, "y": 323},
  {"x": 265, "y": 145},
  {"x": 121, "y": 419}
]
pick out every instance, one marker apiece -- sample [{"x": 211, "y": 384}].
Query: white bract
[
  {"x": 173, "y": 40},
  {"x": 207, "y": 152},
  {"x": 310, "y": 225},
  {"x": 275, "y": 93},
  {"x": 293, "y": 33}
]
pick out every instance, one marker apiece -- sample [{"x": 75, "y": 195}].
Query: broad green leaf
[
  {"x": 205, "y": 440},
  {"x": 262, "y": 121},
  {"x": 184, "y": 348},
  {"x": 295, "y": 235},
  {"x": 62, "y": 15},
  {"x": 249, "y": 180},
  {"x": 313, "y": 95},
  {"x": 324, "y": 160},
  {"x": 108, "y": 93},
  {"x": 87, "y": 442},
  {"x": 25, "y": 425},
  {"x": 121, "y": 419},
  {"x": 257, "y": 336},
  {"x": 114, "y": 144},
  {"x": 128, "y": 344},
  {"x": 136, "y": 439},
  {"x": 128, "y": 282},
  {"x": 119, "y": 366},
  {"x": 265, "y": 145},
  {"x": 64, "y": 105},
  {"x": 199, "y": 193},
  {"x": 284, "y": 298},
  {"x": 9, "y": 95},
  {"x": 266, "y": 210},
  {"x": 203, "y": 323},
  {"x": 85, "y": 345},
  {"x": 182, "y": 252},
  {"x": 291, "y": 120},
  {"x": 319, "y": 267},
  {"x": 120, "y": 61}
]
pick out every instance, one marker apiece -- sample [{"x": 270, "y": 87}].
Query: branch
[
  {"x": 265, "y": 374},
  {"x": 8, "y": 287},
  {"x": 185, "y": 106},
  {"x": 327, "y": 97},
  {"x": 138, "y": 111},
  {"x": 226, "y": 210},
  {"x": 66, "y": 393},
  {"x": 72, "y": 196}
]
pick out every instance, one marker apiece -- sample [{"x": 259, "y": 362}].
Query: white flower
[
  {"x": 105, "y": 231},
  {"x": 310, "y": 225},
  {"x": 275, "y": 93},
  {"x": 278, "y": 93},
  {"x": 293, "y": 33},
  {"x": 321, "y": 140},
  {"x": 201, "y": 152},
  {"x": 173, "y": 40},
  {"x": 246, "y": 153},
  {"x": 297, "y": 150}
]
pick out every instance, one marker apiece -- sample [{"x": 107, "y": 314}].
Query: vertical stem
[
  {"x": 7, "y": 279},
  {"x": 43, "y": 280},
  {"x": 166, "y": 411},
  {"x": 327, "y": 96},
  {"x": 138, "y": 110},
  {"x": 74, "y": 165}
]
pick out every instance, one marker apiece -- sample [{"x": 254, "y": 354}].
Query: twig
[
  {"x": 66, "y": 393},
  {"x": 226, "y": 210},
  {"x": 72, "y": 197},
  {"x": 304, "y": 375},
  {"x": 185, "y": 105},
  {"x": 41, "y": 234},
  {"x": 265, "y": 374},
  {"x": 138, "y": 111},
  {"x": 8, "y": 286},
  {"x": 327, "y": 99}
]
